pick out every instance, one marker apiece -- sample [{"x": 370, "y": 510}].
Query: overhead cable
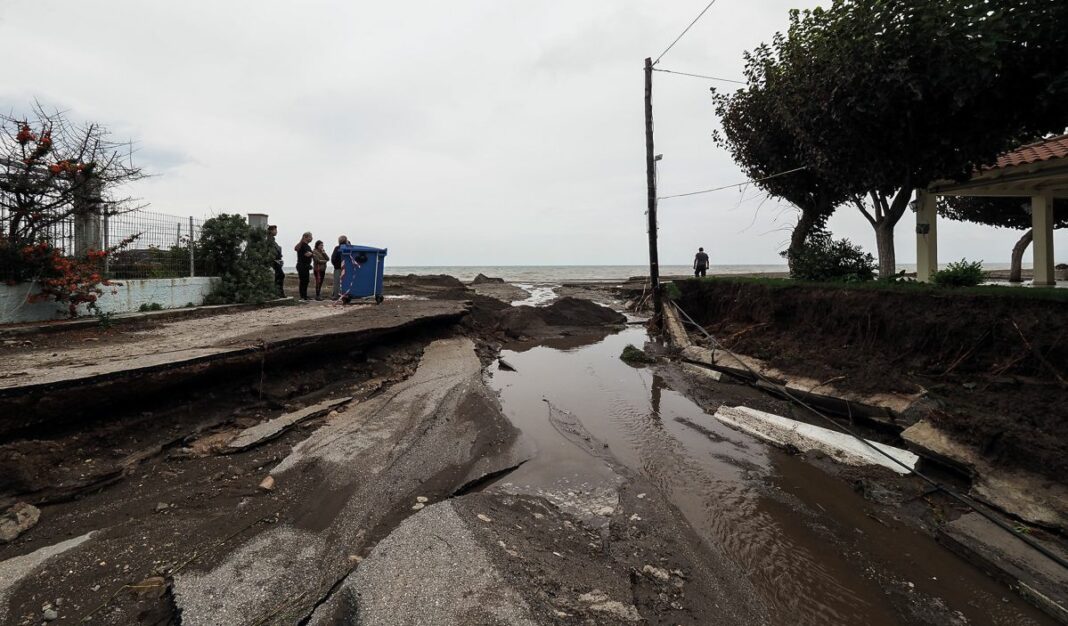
[
  {"x": 684, "y": 32},
  {"x": 748, "y": 182},
  {"x": 726, "y": 80}
]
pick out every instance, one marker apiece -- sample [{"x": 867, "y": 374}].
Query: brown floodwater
[{"x": 804, "y": 538}]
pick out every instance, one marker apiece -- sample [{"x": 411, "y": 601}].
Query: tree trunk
[
  {"x": 805, "y": 225},
  {"x": 884, "y": 241},
  {"x": 1016, "y": 269}
]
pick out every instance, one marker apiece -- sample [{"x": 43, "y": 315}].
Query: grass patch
[{"x": 1048, "y": 294}]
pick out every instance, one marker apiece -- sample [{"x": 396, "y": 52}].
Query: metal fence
[{"x": 159, "y": 246}]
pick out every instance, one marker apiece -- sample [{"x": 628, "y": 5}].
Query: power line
[
  {"x": 684, "y": 32},
  {"x": 726, "y": 80},
  {"x": 694, "y": 193}
]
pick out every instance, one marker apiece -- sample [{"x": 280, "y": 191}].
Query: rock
[
  {"x": 50, "y": 615},
  {"x": 267, "y": 484},
  {"x": 482, "y": 279},
  {"x": 417, "y": 506},
  {"x": 485, "y": 518},
  {"x": 17, "y": 520},
  {"x": 422, "y": 499},
  {"x": 162, "y": 506},
  {"x": 635, "y": 356},
  {"x": 656, "y": 573}
]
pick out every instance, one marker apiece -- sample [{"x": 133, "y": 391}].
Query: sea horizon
[{"x": 548, "y": 274}]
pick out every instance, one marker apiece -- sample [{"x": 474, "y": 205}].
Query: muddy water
[{"x": 804, "y": 538}]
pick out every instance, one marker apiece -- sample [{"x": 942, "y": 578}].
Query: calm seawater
[{"x": 535, "y": 274}]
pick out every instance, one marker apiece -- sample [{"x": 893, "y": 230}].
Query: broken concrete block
[
  {"x": 17, "y": 520},
  {"x": 841, "y": 447}
]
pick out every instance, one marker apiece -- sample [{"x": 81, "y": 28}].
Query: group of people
[{"x": 311, "y": 261}]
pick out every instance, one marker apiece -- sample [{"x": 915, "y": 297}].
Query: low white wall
[{"x": 169, "y": 293}]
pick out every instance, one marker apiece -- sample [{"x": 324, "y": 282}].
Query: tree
[
  {"x": 757, "y": 137},
  {"x": 886, "y": 96},
  {"x": 1003, "y": 212},
  {"x": 52, "y": 170},
  {"x": 241, "y": 256}
]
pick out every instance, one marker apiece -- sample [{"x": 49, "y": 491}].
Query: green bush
[
  {"x": 960, "y": 274},
  {"x": 824, "y": 259},
  {"x": 240, "y": 256},
  {"x": 145, "y": 307}
]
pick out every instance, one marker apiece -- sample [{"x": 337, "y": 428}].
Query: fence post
[
  {"x": 107, "y": 243},
  {"x": 192, "y": 271}
]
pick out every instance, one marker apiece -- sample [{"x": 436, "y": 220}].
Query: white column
[
  {"x": 1042, "y": 247},
  {"x": 926, "y": 236}
]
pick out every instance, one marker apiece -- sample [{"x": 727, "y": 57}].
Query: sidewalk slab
[{"x": 272, "y": 428}]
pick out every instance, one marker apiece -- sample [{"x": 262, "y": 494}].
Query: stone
[
  {"x": 656, "y": 572},
  {"x": 50, "y": 615},
  {"x": 267, "y": 484},
  {"x": 17, "y": 520},
  {"x": 485, "y": 518},
  {"x": 422, "y": 499}
]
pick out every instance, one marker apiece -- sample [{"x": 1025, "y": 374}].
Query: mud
[{"x": 991, "y": 366}]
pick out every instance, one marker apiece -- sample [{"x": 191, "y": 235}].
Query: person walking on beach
[
  {"x": 321, "y": 259},
  {"x": 700, "y": 263},
  {"x": 304, "y": 263},
  {"x": 336, "y": 261},
  {"x": 276, "y": 260}
]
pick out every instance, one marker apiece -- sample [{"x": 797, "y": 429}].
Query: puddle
[{"x": 787, "y": 526}]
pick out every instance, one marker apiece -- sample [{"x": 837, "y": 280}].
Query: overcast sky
[{"x": 480, "y": 132}]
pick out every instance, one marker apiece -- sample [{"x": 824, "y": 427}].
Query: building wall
[{"x": 169, "y": 293}]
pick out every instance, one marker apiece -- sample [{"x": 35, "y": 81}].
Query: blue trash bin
[{"x": 361, "y": 272}]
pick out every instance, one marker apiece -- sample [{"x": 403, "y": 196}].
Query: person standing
[
  {"x": 321, "y": 259},
  {"x": 304, "y": 263},
  {"x": 336, "y": 261},
  {"x": 276, "y": 260},
  {"x": 700, "y": 263}
]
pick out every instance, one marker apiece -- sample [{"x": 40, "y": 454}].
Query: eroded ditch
[{"x": 815, "y": 550}]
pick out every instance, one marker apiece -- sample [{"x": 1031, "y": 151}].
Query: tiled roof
[{"x": 1045, "y": 150}]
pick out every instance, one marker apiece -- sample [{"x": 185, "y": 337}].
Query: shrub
[
  {"x": 671, "y": 291},
  {"x": 960, "y": 274},
  {"x": 824, "y": 259},
  {"x": 240, "y": 256},
  {"x": 145, "y": 307}
]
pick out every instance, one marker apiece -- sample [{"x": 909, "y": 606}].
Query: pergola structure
[{"x": 1038, "y": 171}]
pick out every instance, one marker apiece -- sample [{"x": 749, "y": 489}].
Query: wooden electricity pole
[{"x": 650, "y": 173}]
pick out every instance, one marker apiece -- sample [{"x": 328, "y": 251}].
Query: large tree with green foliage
[
  {"x": 1002, "y": 212},
  {"x": 885, "y": 96},
  {"x": 241, "y": 256}
]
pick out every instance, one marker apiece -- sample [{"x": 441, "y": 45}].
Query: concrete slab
[
  {"x": 145, "y": 361},
  {"x": 428, "y": 436},
  {"x": 272, "y": 428},
  {"x": 839, "y": 446},
  {"x": 1030, "y": 497},
  {"x": 429, "y": 571},
  {"x": 16, "y": 569},
  {"x": 1033, "y": 575}
]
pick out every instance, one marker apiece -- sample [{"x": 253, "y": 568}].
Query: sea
[{"x": 553, "y": 274}]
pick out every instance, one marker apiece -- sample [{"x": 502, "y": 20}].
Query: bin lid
[{"x": 347, "y": 248}]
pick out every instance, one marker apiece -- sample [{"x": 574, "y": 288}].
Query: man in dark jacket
[
  {"x": 336, "y": 261},
  {"x": 276, "y": 260},
  {"x": 700, "y": 263}
]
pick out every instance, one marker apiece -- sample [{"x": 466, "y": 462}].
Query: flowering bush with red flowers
[{"x": 73, "y": 281}]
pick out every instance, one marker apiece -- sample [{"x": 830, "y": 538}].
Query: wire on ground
[{"x": 975, "y": 506}]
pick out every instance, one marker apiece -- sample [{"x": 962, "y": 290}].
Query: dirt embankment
[{"x": 995, "y": 366}]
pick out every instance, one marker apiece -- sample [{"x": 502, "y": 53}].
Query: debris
[
  {"x": 17, "y": 520},
  {"x": 506, "y": 366},
  {"x": 162, "y": 506},
  {"x": 50, "y": 614},
  {"x": 267, "y": 484},
  {"x": 151, "y": 587},
  {"x": 484, "y": 518},
  {"x": 417, "y": 506},
  {"x": 656, "y": 572},
  {"x": 272, "y": 428},
  {"x": 422, "y": 499},
  {"x": 635, "y": 356}
]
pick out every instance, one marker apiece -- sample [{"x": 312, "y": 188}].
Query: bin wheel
[
  {"x": 379, "y": 299},
  {"x": 346, "y": 299}
]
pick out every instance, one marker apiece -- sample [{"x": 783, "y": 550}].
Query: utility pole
[{"x": 650, "y": 172}]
